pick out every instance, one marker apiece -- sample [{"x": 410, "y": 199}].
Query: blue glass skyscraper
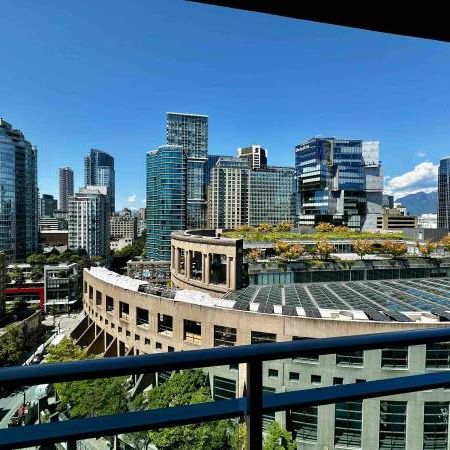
[
  {"x": 99, "y": 171},
  {"x": 190, "y": 131},
  {"x": 331, "y": 181},
  {"x": 166, "y": 199},
  {"x": 18, "y": 194},
  {"x": 444, "y": 193}
]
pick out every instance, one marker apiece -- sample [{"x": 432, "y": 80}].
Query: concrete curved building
[{"x": 128, "y": 316}]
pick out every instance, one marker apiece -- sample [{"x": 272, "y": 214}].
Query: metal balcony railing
[{"x": 252, "y": 407}]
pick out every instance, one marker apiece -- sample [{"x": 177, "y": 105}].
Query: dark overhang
[{"x": 426, "y": 20}]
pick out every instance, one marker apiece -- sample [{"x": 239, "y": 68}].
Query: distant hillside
[{"x": 420, "y": 203}]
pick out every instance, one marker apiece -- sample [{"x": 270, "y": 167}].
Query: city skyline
[{"x": 376, "y": 90}]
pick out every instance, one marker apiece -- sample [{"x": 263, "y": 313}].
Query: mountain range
[{"x": 420, "y": 203}]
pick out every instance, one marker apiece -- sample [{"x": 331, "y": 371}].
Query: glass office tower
[
  {"x": 190, "y": 131},
  {"x": 166, "y": 198},
  {"x": 444, "y": 194},
  {"x": 99, "y": 171},
  {"x": 18, "y": 194},
  {"x": 331, "y": 181}
]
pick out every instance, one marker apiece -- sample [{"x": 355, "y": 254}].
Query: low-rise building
[
  {"x": 61, "y": 286},
  {"x": 395, "y": 219},
  {"x": 155, "y": 272}
]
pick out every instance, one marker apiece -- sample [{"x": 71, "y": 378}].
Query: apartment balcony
[{"x": 252, "y": 407}]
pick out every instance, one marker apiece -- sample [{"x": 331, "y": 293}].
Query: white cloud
[
  {"x": 132, "y": 198},
  {"x": 422, "y": 178},
  {"x": 421, "y": 154}
]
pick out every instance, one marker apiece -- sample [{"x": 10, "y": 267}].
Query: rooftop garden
[{"x": 284, "y": 230}]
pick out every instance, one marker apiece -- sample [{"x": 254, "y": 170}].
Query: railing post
[{"x": 253, "y": 418}]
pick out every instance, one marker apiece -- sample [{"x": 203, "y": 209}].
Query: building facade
[
  {"x": 395, "y": 219},
  {"x": 190, "y": 131},
  {"x": 444, "y": 194},
  {"x": 255, "y": 155},
  {"x": 123, "y": 225},
  {"x": 88, "y": 221},
  {"x": 19, "y": 194},
  {"x": 47, "y": 205},
  {"x": 228, "y": 193},
  {"x": 271, "y": 195},
  {"x": 2, "y": 284},
  {"x": 166, "y": 199},
  {"x": 61, "y": 286},
  {"x": 65, "y": 186},
  {"x": 338, "y": 181},
  {"x": 99, "y": 171},
  {"x": 125, "y": 316}
]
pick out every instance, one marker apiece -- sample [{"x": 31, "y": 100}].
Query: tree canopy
[{"x": 89, "y": 397}]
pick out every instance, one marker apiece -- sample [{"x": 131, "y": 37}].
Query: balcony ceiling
[{"x": 409, "y": 19}]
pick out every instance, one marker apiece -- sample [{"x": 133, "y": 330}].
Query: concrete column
[
  {"x": 414, "y": 425},
  {"x": 176, "y": 260},
  {"x": 231, "y": 272},
  {"x": 206, "y": 267},
  {"x": 187, "y": 263}
]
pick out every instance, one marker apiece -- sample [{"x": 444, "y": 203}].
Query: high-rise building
[
  {"x": 228, "y": 193},
  {"x": 444, "y": 194},
  {"x": 88, "y": 220},
  {"x": 271, "y": 195},
  {"x": 255, "y": 155},
  {"x": 238, "y": 195},
  {"x": 2, "y": 284},
  {"x": 18, "y": 194},
  {"x": 388, "y": 201},
  {"x": 99, "y": 171},
  {"x": 47, "y": 205},
  {"x": 65, "y": 186},
  {"x": 166, "y": 198},
  {"x": 335, "y": 180},
  {"x": 191, "y": 132},
  {"x": 210, "y": 164}
]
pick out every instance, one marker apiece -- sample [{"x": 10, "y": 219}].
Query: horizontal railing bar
[
  {"x": 204, "y": 412},
  {"x": 118, "y": 366},
  {"x": 69, "y": 430},
  {"x": 355, "y": 391}
]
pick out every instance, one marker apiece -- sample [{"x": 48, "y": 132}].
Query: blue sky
[{"x": 76, "y": 75}]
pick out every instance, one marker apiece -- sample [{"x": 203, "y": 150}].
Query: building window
[
  {"x": 119, "y": 329},
  {"x": 438, "y": 356},
  {"x": 435, "y": 426},
  {"x": 147, "y": 341},
  {"x": 392, "y": 425},
  {"x": 350, "y": 359},
  {"x": 316, "y": 379},
  {"x": 109, "y": 303},
  {"x": 218, "y": 269},
  {"x": 196, "y": 265},
  {"x": 91, "y": 292},
  {"x": 158, "y": 346},
  {"x": 98, "y": 298},
  {"x": 170, "y": 349},
  {"x": 106, "y": 321},
  {"x": 113, "y": 325},
  {"x": 304, "y": 424},
  {"x": 137, "y": 337},
  {"x": 165, "y": 324},
  {"x": 142, "y": 317},
  {"x": 124, "y": 310},
  {"x": 348, "y": 421},
  {"x": 223, "y": 388},
  {"x": 395, "y": 357},
  {"x": 127, "y": 333},
  {"x": 273, "y": 373},
  {"x": 312, "y": 359},
  {"x": 85, "y": 287},
  {"x": 192, "y": 331},
  {"x": 224, "y": 336},
  {"x": 338, "y": 380},
  {"x": 258, "y": 337},
  {"x": 294, "y": 376}
]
